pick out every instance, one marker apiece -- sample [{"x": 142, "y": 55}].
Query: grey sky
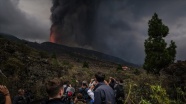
[
  {"x": 24, "y": 19},
  {"x": 127, "y": 26},
  {"x": 40, "y": 10}
]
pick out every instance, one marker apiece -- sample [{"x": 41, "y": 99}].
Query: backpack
[
  {"x": 83, "y": 91},
  {"x": 119, "y": 92}
]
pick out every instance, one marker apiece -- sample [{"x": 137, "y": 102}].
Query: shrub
[
  {"x": 43, "y": 54},
  {"x": 119, "y": 67},
  {"x": 85, "y": 65},
  {"x": 159, "y": 95},
  {"x": 54, "y": 55}
]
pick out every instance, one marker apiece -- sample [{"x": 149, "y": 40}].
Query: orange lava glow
[
  {"x": 52, "y": 34},
  {"x": 52, "y": 37}
]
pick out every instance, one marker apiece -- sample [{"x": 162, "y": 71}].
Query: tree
[{"x": 158, "y": 55}]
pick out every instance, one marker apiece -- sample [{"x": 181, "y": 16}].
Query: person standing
[
  {"x": 119, "y": 92},
  {"x": 90, "y": 91},
  {"x": 54, "y": 89},
  {"x": 20, "y": 98},
  {"x": 83, "y": 90},
  {"x": 103, "y": 94}
]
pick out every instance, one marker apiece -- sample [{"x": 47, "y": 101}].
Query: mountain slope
[
  {"x": 22, "y": 66},
  {"x": 77, "y": 52}
]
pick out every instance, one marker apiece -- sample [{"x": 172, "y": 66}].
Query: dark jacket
[
  {"x": 103, "y": 94},
  {"x": 19, "y": 100},
  {"x": 112, "y": 85},
  {"x": 83, "y": 91},
  {"x": 53, "y": 101}
]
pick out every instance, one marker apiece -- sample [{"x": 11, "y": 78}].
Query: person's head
[
  {"x": 120, "y": 81},
  {"x": 79, "y": 96},
  {"x": 21, "y": 92},
  {"x": 66, "y": 83},
  {"x": 112, "y": 80},
  {"x": 54, "y": 88},
  {"x": 100, "y": 77},
  {"x": 84, "y": 84}
]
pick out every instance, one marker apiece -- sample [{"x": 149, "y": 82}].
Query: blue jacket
[{"x": 103, "y": 94}]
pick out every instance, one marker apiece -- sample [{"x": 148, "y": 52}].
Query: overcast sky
[{"x": 29, "y": 19}]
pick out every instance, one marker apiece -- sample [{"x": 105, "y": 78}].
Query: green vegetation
[
  {"x": 43, "y": 54},
  {"x": 158, "y": 55},
  {"x": 66, "y": 64},
  {"x": 85, "y": 65},
  {"x": 158, "y": 95},
  {"x": 54, "y": 55},
  {"x": 119, "y": 67},
  {"x": 30, "y": 70}
]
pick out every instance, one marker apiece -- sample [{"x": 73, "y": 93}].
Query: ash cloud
[
  {"x": 101, "y": 25},
  {"x": 16, "y": 22},
  {"x": 74, "y": 20},
  {"x": 116, "y": 27}
]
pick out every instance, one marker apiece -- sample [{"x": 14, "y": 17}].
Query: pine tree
[{"x": 158, "y": 55}]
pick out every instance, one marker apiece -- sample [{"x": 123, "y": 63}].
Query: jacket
[
  {"x": 53, "y": 101},
  {"x": 103, "y": 94}
]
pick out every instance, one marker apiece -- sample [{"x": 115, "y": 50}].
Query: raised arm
[{"x": 5, "y": 91}]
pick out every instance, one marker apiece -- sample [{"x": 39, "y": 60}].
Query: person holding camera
[
  {"x": 112, "y": 82},
  {"x": 103, "y": 94},
  {"x": 83, "y": 90},
  {"x": 90, "y": 92},
  {"x": 68, "y": 95},
  {"x": 5, "y": 92}
]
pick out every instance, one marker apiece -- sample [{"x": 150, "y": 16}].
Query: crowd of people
[{"x": 97, "y": 91}]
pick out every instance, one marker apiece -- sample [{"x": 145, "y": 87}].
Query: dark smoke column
[{"x": 73, "y": 21}]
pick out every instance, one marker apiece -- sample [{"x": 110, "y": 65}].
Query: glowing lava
[{"x": 52, "y": 34}]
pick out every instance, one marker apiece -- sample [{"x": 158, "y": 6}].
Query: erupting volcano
[
  {"x": 100, "y": 25},
  {"x": 52, "y": 34},
  {"x": 73, "y": 21}
]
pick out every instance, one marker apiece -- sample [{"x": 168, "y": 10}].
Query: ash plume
[
  {"x": 116, "y": 27},
  {"x": 96, "y": 24},
  {"x": 73, "y": 20}
]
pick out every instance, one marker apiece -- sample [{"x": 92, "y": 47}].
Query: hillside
[
  {"x": 73, "y": 51},
  {"x": 26, "y": 67}
]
